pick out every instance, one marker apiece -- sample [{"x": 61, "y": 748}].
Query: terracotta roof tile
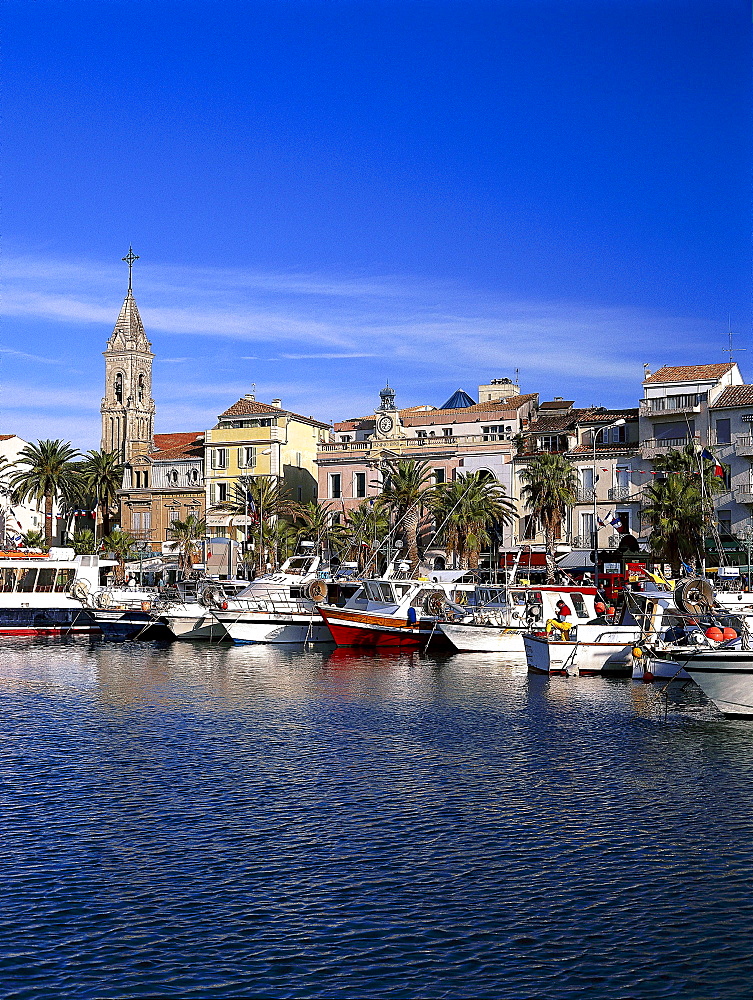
[
  {"x": 6, "y": 437},
  {"x": 690, "y": 373},
  {"x": 735, "y": 395},
  {"x": 245, "y": 407},
  {"x": 170, "y": 447}
]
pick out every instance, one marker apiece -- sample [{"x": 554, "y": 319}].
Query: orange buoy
[
  {"x": 714, "y": 633},
  {"x": 729, "y": 634}
]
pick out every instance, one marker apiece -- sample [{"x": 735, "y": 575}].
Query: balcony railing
[
  {"x": 406, "y": 443},
  {"x": 625, "y": 493},
  {"x": 743, "y": 444},
  {"x": 652, "y": 447},
  {"x": 583, "y": 495},
  {"x": 744, "y": 494},
  {"x": 655, "y": 408}
]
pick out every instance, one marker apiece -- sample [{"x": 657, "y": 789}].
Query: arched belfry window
[
  {"x": 118, "y": 388},
  {"x": 141, "y": 388}
]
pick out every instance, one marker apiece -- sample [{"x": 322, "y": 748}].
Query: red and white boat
[{"x": 390, "y": 612}]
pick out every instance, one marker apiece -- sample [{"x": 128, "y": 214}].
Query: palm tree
[
  {"x": 407, "y": 486},
  {"x": 318, "y": 519},
  {"x": 121, "y": 544},
  {"x": 265, "y": 500},
  {"x": 102, "y": 474},
  {"x": 675, "y": 514},
  {"x": 32, "y": 539},
  {"x": 84, "y": 542},
  {"x": 187, "y": 538},
  {"x": 466, "y": 509},
  {"x": 48, "y": 473},
  {"x": 363, "y": 532},
  {"x": 549, "y": 489}
]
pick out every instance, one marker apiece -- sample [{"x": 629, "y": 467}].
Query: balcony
[
  {"x": 744, "y": 494},
  {"x": 654, "y": 408},
  {"x": 655, "y": 447},
  {"x": 404, "y": 444},
  {"x": 582, "y": 495},
  {"x": 744, "y": 445},
  {"x": 625, "y": 494}
]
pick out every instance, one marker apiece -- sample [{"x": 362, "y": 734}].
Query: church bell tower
[{"x": 127, "y": 407}]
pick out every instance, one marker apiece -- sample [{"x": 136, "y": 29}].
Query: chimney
[
  {"x": 250, "y": 396},
  {"x": 277, "y": 403}
]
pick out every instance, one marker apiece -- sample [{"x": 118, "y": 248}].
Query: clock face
[{"x": 384, "y": 424}]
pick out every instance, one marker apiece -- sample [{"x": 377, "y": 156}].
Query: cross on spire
[{"x": 129, "y": 259}]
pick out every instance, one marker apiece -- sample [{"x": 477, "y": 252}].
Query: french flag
[{"x": 718, "y": 470}]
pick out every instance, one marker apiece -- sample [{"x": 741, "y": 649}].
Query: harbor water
[{"x": 212, "y": 821}]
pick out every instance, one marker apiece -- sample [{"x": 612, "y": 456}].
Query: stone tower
[{"x": 128, "y": 408}]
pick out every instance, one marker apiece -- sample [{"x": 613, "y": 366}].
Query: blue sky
[{"x": 328, "y": 194}]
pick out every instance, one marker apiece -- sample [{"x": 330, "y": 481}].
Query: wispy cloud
[{"x": 424, "y": 335}]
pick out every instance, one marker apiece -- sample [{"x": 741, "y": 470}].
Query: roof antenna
[{"x": 729, "y": 350}]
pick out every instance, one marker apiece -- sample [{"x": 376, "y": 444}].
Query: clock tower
[{"x": 387, "y": 417}]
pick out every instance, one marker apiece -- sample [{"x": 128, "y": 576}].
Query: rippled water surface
[{"x": 203, "y": 821}]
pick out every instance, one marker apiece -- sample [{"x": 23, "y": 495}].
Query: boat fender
[
  {"x": 412, "y": 616},
  {"x": 637, "y": 652},
  {"x": 224, "y": 605}
]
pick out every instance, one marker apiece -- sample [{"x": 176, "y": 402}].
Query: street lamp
[{"x": 595, "y": 532}]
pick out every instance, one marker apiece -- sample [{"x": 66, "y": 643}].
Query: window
[
  {"x": 421, "y": 434},
  {"x": 360, "y": 484},
  {"x": 138, "y": 480},
  {"x": 26, "y": 580},
  {"x": 146, "y": 479},
  {"x": 495, "y": 433},
  {"x": 528, "y": 527},
  {"x": 247, "y": 457},
  {"x": 45, "y": 581},
  {"x": 587, "y": 479},
  {"x": 579, "y": 604},
  {"x": 173, "y": 515},
  {"x": 725, "y": 522},
  {"x": 439, "y": 475},
  {"x": 118, "y": 388},
  {"x": 723, "y": 435},
  {"x": 552, "y": 442},
  {"x": 221, "y": 492},
  {"x": 7, "y": 581},
  {"x": 335, "y": 490},
  {"x": 298, "y": 459},
  {"x": 587, "y": 529},
  {"x": 136, "y": 520},
  {"x": 447, "y": 431},
  {"x": 623, "y": 477},
  {"x": 64, "y": 580},
  {"x": 613, "y": 435},
  {"x": 194, "y": 475},
  {"x": 141, "y": 388},
  {"x": 300, "y": 494},
  {"x": 219, "y": 458},
  {"x": 173, "y": 477}
]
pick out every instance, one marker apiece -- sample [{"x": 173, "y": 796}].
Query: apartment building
[{"x": 253, "y": 439}]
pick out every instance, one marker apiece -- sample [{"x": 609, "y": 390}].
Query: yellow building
[{"x": 258, "y": 439}]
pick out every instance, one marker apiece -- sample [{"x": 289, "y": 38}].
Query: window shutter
[
  {"x": 252, "y": 457},
  {"x": 212, "y": 494},
  {"x": 241, "y": 463}
]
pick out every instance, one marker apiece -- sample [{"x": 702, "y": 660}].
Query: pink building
[{"x": 458, "y": 437}]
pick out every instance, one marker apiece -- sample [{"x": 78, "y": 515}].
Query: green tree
[
  {"x": 102, "y": 476},
  {"x": 316, "y": 521},
  {"x": 466, "y": 509},
  {"x": 265, "y": 500},
  {"x": 549, "y": 485},
  {"x": 84, "y": 542},
  {"x": 674, "y": 512},
  {"x": 407, "y": 491},
  {"x": 46, "y": 471},
  {"x": 365, "y": 528},
  {"x": 187, "y": 538},
  {"x": 33, "y": 540},
  {"x": 121, "y": 544}
]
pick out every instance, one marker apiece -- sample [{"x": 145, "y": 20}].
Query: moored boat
[{"x": 591, "y": 650}]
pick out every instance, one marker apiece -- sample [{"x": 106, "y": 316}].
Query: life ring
[
  {"x": 316, "y": 591},
  {"x": 79, "y": 590},
  {"x": 434, "y": 604},
  {"x": 210, "y": 596}
]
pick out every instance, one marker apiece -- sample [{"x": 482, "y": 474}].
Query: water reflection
[{"x": 210, "y": 821}]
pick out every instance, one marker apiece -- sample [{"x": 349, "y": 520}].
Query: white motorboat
[
  {"x": 589, "y": 650},
  {"x": 189, "y": 614},
  {"x": 501, "y": 616},
  {"x": 281, "y": 607},
  {"x": 45, "y": 594},
  {"x": 725, "y": 675}
]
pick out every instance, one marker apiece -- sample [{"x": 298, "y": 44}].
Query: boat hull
[
  {"x": 612, "y": 655},
  {"x": 363, "y": 628},
  {"x": 123, "y": 625},
  {"x": 483, "y": 638},
  {"x": 189, "y": 627},
  {"x": 726, "y": 678},
  {"x": 274, "y": 629},
  {"x": 47, "y": 622}
]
